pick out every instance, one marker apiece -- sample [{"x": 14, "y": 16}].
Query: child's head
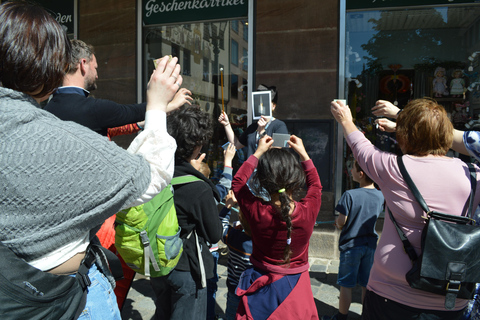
[
  {"x": 205, "y": 169},
  {"x": 280, "y": 173},
  {"x": 273, "y": 90},
  {"x": 279, "y": 169},
  {"x": 191, "y": 128},
  {"x": 358, "y": 174}
]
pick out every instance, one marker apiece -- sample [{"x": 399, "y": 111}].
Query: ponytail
[
  {"x": 279, "y": 172},
  {"x": 285, "y": 216}
]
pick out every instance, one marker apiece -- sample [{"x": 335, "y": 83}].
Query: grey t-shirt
[{"x": 362, "y": 207}]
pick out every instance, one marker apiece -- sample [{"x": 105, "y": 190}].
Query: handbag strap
[
  {"x": 407, "y": 246},
  {"x": 418, "y": 196}
]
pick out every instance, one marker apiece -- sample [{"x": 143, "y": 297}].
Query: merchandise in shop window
[
  {"x": 440, "y": 88},
  {"x": 457, "y": 85}
]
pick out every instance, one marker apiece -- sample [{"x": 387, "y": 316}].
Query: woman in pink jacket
[{"x": 424, "y": 134}]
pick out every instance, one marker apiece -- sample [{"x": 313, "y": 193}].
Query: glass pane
[
  {"x": 414, "y": 52},
  {"x": 203, "y": 50}
]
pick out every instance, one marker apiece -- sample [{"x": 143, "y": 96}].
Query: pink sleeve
[{"x": 374, "y": 162}]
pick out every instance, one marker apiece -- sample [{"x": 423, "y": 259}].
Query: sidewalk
[{"x": 323, "y": 274}]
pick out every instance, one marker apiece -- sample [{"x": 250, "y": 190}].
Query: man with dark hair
[
  {"x": 71, "y": 102},
  {"x": 183, "y": 294}
]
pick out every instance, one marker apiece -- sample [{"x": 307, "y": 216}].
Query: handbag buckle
[{"x": 456, "y": 289}]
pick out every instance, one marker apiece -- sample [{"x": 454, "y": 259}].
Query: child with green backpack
[{"x": 182, "y": 294}]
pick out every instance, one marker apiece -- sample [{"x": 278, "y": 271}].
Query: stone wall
[
  {"x": 110, "y": 26},
  {"x": 297, "y": 51}
]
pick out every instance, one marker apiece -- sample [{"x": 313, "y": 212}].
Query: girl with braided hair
[{"x": 279, "y": 284}]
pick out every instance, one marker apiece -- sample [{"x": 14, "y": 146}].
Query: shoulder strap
[
  {"x": 407, "y": 246},
  {"x": 473, "y": 182},
  {"x": 184, "y": 179},
  {"x": 411, "y": 185},
  {"x": 418, "y": 196}
]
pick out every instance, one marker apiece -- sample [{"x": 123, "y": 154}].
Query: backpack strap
[
  {"x": 184, "y": 179},
  {"x": 203, "y": 276}
]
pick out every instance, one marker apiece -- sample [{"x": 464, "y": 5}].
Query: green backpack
[{"x": 148, "y": 236}]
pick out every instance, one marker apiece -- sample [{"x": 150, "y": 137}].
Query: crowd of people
[{"x": 62, "y": 181}]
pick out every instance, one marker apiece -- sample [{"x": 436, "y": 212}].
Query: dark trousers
[
  {"x": 376, "y": 307},
  {"x": 178, "y": 297}
]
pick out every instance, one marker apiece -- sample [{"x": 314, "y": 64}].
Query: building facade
[{"x": 312, "y": 51}]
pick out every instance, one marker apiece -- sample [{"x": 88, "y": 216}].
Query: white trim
[
  {"x": 251, "y": 7},
  {"x": 341, "y": 95}
]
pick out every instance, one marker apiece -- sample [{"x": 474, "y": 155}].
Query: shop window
[
  {"x": 234, "y": 86},
  {"x": 234, "y": 53},
  {"x": 176, "y": 51},
  {"x": 244, "y": 90},
  {"x": 245, "y": 60},
  {"x": 400, "y": 54},
  {"x": 245, "y": 30},
  {"x": 235, "y": 26},
  {"x": 203, "y": 48},
  {"x": 206, "y": 70},
  {"x": 186, "y": 66}
]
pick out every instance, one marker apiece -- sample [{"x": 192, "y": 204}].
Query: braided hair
[{"x": 279, "y": 172}]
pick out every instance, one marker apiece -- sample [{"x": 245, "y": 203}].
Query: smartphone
[
  {"x": 280, "y": 140},
  {"x": 225, "y": 146}
]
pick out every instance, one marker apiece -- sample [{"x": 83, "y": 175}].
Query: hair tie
[
  {"x": 289, "y": 241},
  {"x": 281, "y": 190}
]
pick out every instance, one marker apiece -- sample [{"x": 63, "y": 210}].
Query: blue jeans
[
  {"x": 101, "y": 300},
  {"x": 212, "y": 288},
  {"x": 355, "y": 265},
  {"x": 232, "y": 305},
  {"x": 178, "y": 297}
]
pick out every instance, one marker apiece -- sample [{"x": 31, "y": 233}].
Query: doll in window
[
  {"x": 457, "y": 85},
  {"x": 440, "y": 83}
]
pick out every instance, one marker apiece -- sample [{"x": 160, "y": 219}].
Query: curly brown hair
[{"x": 424, "y": 128}]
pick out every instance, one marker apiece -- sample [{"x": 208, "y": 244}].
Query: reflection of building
[{"x": 200, "y": 51}]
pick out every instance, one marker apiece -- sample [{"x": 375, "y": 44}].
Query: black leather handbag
[{"x": 449, "y": 264}]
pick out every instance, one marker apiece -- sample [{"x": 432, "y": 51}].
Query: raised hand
[
  {"x": 385, "y": 108},
  {"x": 164, "y": 84},
  {"x": 297, "y": 144},
  {"x": 263, "y": 145},
  {"x": 386, "y": 125},
  {"x": 223, "y": 119},
  {"x": 183, "y": 96},
  {"x": 228, "y": 154}
]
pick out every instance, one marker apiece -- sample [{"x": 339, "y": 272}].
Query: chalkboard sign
[{"x": 318, "y": 137}]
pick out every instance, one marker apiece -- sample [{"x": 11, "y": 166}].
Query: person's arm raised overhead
[
  {"x": 231, "y": 137},
  {"x": 154, "y": 143},
  {"x": 341, "y": 112}
]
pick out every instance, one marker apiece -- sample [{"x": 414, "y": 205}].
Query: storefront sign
[
  {"x": 177, "y": 11},
  {"x": 62, "y": 11},
  {"x": 375, "y": 4}
]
